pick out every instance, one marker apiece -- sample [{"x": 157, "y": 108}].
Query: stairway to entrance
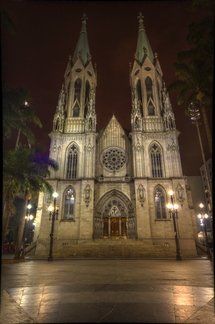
[{"x": 112, "y": 248}]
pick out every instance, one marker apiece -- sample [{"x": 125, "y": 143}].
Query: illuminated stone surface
[
  {"x": 68, "y": 291},
  {"x": 136, "y": 164}
]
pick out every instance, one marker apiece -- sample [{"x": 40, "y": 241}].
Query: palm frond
[
  {"x": 190, "y": 102},
  {"x": 183, "y": 93},
  {"x": 176, "y": 85}
]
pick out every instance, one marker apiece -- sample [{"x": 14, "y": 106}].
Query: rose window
[{"x": 113, "y": 159}]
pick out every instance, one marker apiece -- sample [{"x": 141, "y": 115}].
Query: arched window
[
  {"x": 72, "y": 162},
  {"x": 77, "y": 93},
  {"x": 156, "y": 161},
  {"x": 160, "y": 204},
  {"x": 148, "y": 83},
  {"x": 68, "y": 89},
  {"x": 69, "y": 204},
  {"x": 151, "y": 108},
  {"x": 139, "y": 93},
  {"x": 76, "y": 110},
  {"x": 87, "y": 93}
]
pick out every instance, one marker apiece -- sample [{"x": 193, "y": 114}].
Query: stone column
[
  {"x": 127, "y": 227},
  {"x": 108, "y": 227},
  {"x": 120, "y": 228}
]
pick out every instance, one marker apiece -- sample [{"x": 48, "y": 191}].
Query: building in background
[
  {"x": 198, "y": 195},
  {"x": 114, "y": 183}
]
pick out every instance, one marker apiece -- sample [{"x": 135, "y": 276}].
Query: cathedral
[{"x": 113, "y": 183}]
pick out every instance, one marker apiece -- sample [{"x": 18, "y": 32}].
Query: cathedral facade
[{"x": 114, "y": 183}]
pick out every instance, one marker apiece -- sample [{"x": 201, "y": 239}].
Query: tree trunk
[
  {"x": 6, "y": 217},
  {"x": 17, "y": 141},
  {"x": 22, "y": 226},
  {"x": 206, "y": 170},
  {"x": 208, "y": 132}
]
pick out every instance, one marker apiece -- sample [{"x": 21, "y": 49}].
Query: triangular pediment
[
  {"x": 78, "y": 64},
  {"x": 136, "y": 66},
  {"x": 147, "y": 62},
  {"x": 113, "y": 130},
  {"x": 158, "y": 67},
  {"x": 68, "y": 69},
  {"x": 89, "y": 67}
]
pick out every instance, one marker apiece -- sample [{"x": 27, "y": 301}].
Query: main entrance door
[
  {"x": 115, "y": 228},
  {"x": 105, "y": 228}
]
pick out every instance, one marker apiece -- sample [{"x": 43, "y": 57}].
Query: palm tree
[
  {"x": 196, "y": 77},
  {"x": 16, "y": 112},
  {"x": 24, "y": 171},
  {"x": 193, "y": 81},
  {"x": 7, "y": 22}
]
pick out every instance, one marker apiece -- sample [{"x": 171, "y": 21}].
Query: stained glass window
[
  {"x": 72, "y": 162},
  {"x": 160, "y": 204},
  {"x": 113, "y": 159},
  {"x": 156, "y": 162},
  {"x": 69, "y": 204}
]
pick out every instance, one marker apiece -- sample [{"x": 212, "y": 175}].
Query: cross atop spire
[
  {"x": 84, "y": 23},
  {"x": 143, "y": 45},
  {"x": 82, "y": 48},
  {"x": 141, "y": 26}
]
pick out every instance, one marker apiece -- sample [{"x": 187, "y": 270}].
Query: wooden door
[
  {"x": 115, "y": 227},
  {"x": 105, "y": 228},
  {"x": 123, "y": 224}
]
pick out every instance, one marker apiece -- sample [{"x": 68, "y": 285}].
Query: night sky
[{"x": 47, "y": 33}]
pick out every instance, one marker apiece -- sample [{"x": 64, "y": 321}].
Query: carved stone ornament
[
  {"x": 141, "y": 194},
  {"x": 138, "y": 147},
  {"x": 89, "y": 147},
  {"x": 87, "y": 195},
  {"x": 173, "y": 147},
  {"x": 180, "y": 194}
]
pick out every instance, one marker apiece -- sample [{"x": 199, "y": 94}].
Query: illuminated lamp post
[
  {"x": 27, "y": 218},
  {"x": 195, "y": 116},
  {"x": 174, "y": 213},
  {"x": 52, "y": 213},
  {"x": 203, "y": 218}
]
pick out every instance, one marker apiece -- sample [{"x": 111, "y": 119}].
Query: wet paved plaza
[{"x": 126, "y": 291}]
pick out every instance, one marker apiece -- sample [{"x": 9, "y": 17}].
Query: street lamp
[
  {"x": 53, "y": 211},
  {"x": 27, "y": 218},
  {"x": 203, "y": 218},
  {"x": 174, "y": 213}
]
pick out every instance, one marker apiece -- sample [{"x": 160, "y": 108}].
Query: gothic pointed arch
[
  {"x": 114, "y": 204},
  {"x": 160, "y": 199},
  {"x": 77, "y": 88},
  {"x": 156, "y": 158},
  {"x": 87, "y": 94},
  {"x": 68, "y": 204},
  {"x": 76, "y": 109},
  {"x": 149, "y": 93},
  {"x": 139, "y": 92},
  {"x": 72, "y": 155},
  {"x": 68, "y": 96}
]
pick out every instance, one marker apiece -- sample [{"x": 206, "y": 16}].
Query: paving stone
[{"x": 108, "y": 291}]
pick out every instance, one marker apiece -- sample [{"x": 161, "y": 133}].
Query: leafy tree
[
  {"x": 14, "y": 221},
  {"x": 24, "y": 171},
  {"x": 16, "y": 113},
  {"x": 7, "y": 22}
]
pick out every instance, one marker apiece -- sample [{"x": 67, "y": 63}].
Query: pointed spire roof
[
  {"x": 143, "y": 46},
  {"x": 82, "y": 47}
]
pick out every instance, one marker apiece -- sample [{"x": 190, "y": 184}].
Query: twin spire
[
  {"x": 82, "y": 48},
  {"x": 143, "y": 46}
]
